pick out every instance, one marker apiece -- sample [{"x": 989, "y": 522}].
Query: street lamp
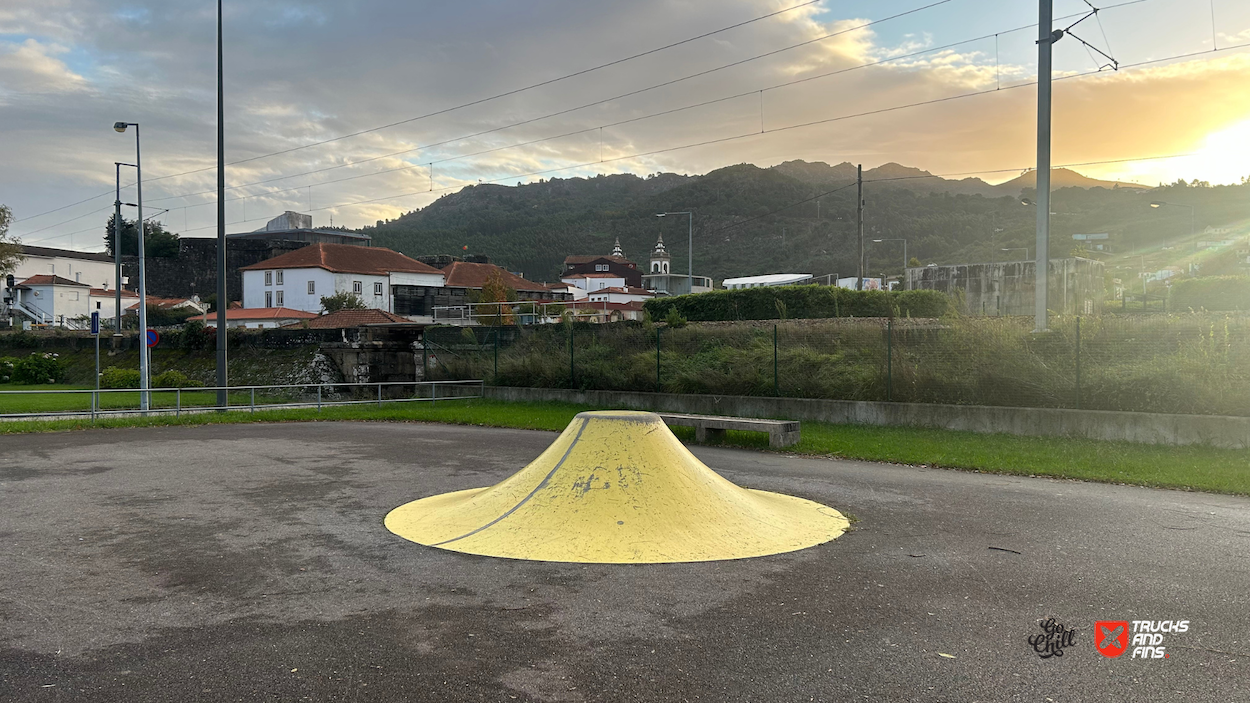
[
  {"x": 143, "y": 290},
  {"x": 1023, "y": 249},
  {"x": 904, "y": 241},
  {"x": 1159, "y": 203},
  {"x": 691, "y": 233},
  {"x": 117, "y": 252}
]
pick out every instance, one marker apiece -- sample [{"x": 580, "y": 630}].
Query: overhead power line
[{"x": 471, "y": 103}]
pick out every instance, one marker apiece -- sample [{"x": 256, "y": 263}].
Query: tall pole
[
  {"x": 1046, "y": 38},
  {"x": 859, "y": 218},
  {"x": 222, "y": 302},
  {"x": 117, "y": 252},
  {"x": 144, "y": 360},
  {"x": 691, "y": 251}
]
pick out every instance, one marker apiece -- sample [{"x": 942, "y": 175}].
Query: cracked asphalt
[{"x": 250, "y": 562}]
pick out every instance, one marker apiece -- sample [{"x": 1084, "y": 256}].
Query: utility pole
[
  {"x": 222, "y": 301},
  {"x": 859, "y": 217},
  {"x": 1047, "y": 36},
  {"x": 117, "y": 257}
]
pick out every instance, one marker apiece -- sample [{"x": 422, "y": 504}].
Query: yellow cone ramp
[{"x": 616, "y": 488}]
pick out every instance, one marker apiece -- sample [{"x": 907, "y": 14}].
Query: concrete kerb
[{"x": 1142, "y": 428}]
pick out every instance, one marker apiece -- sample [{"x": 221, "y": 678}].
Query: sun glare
[{"x": 1224, "y": 156}]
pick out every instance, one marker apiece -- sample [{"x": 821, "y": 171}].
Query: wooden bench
[{"x": 781, "y": 433}]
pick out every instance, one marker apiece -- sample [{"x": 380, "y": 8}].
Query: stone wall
[
  {"x": 194, "y": 270},
  {"x": 1077, "y": 286}
]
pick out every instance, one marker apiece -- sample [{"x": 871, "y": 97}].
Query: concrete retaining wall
[{"x": 1144, "y": 428}]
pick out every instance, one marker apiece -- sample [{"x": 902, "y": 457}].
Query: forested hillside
[{"x": 746, "y": 220}]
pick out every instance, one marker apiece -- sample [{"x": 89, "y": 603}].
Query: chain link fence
[{"x": 1180, "y": 363}]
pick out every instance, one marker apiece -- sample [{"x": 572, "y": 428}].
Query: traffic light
[{"x": 9, "y": 281}]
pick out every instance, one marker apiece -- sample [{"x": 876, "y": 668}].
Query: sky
[{"x": 943, "y": 85}]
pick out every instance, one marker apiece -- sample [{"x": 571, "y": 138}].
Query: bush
[
  {"x": 1215, "y": 293},
  {"x": 195, "y": 336},
  {"x": 800, "y": 302},
  {"x": 175, "y": 379},
  {"x": 38, "y": 369},
  {"x": 674, "y": 318},
  {"x": 6, "y": 368},
  {"x": 113, "y": 377}
]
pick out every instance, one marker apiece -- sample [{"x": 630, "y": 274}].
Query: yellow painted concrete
[{"x": 618, "y": 488}]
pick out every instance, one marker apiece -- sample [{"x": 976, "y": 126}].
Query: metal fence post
[
  {"x": 572, "y": 368},
  {"x": 178, "y": 403},
  {"x": 318, "y": 397},
  {"x": 889, "y": 360},
  {"x": 379, "y": 394},
  {"x": 425, "y": 356},
  {"x": 253, "y": 399},
  {"x": 1078, "y": 363},
  {"x": 494, "y": 379},
  {"x": 776, "y": 381},
  {"x": 657, "y": 360}
]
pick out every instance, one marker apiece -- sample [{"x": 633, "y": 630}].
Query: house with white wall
[
  {"x": 94, "y": 269},
  {"x": 621, "y": 295},
  {"x": 299, "y": 279},
  {"x": 53, "y": 300}
]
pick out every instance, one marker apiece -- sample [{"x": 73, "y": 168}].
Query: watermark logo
[
  {"x": 1111, "y": 637},
  {"x": 1148, "y": 637},
  {"x": 1053, "y": 638}
]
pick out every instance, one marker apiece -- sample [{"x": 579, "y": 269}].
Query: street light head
[
  {"x": 1025, "y": 201},
  {"x": 661, "y": 214},
  {"x": 120, "y": 126},
  {"x": 1157, "y": 204}
]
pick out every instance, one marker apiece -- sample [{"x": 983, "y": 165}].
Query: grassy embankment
[{"x": 1190, "y": 468}]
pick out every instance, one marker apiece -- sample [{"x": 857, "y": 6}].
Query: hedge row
[
  {"x": 800, "y": 302},
  {"x": 1215, "y": 293}
]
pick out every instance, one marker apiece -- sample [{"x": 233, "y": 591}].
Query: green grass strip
[{"x": 1189, "y": 468}]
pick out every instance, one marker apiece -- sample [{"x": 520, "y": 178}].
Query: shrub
[
  {"x": 6, "y": 368},
  {"x": 1215, "y": 293},
  {"x": 195, "y": 336},
  {"x": 113, "y": 377},
  {"x": 38, "y": 368},
  {"x": 800, "y": 302},
  {"x": 674, "y": 318},
  {"x": 174, "y": 378}
]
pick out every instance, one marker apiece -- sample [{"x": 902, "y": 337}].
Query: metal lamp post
[
  {"x": 117, "y": 253},
  {"x": 904, "y": 241},
  {"x": 691, "y": 243},
  {"x": 143, "y": 291},
  {"x": 1159, "y": 203}
]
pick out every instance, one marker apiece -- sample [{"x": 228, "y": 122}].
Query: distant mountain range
[
  {"x": 899, "y": 176},
  {"x": 750, "y": 220}
]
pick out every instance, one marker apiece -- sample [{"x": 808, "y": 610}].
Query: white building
[
  {"x": 299, "y": 279},
  {"x": 93, "y": 269},
  {"x": 53, "y": 300},
  {"x": 622, "y": 294},
  {"x": 767, "y": 280},
  {"x": 660, "y": 279},
  {"x": 586, "y": 283}
]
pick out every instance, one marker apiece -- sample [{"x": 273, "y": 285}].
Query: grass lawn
[
  {"x": 117, "y": 400},
  {"x": 1190, "y": 468}
]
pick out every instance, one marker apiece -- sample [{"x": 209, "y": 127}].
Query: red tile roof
[
  {"x": 577, "y": 260},
  {"x": 355, "y": 318},
  {"x": 345, "y": 258},
  {"x": 462, "y": 274},
  {"x": 44, "y": 279},
  {"x": 166, "y": 303},
  {"x": 258, "y": 314}
]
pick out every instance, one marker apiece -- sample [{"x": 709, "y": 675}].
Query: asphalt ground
[{"x": 250, "y": 562}]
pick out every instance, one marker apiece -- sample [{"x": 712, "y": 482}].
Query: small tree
[
  {"x": 10, "y": 249},
  {"x": 495, "y": 290},
  {"x": 157, "y": 243},
  {"x": 342, "y": 301}
]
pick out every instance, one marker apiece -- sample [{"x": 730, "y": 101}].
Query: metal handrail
[{"x": 251, "y": 406}]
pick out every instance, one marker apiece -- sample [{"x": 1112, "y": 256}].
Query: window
[
  {"x": 279, "y": 298},
  {"x": 357, "y": 287},
  {"x": 269, "y": 278},
  {"x": 279, "y": 278},
  {"x": 78, "y": 277},
  {"x": 377, "y": 289},
  {"x": 601, "y": 267},
  {"x": 312, "y": 287},
  {"x": 268, "y": 298}
]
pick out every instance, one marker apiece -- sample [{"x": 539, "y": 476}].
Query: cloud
[
  {"x": 32, "y": 67},
  {"x": 302, "y": 71}
]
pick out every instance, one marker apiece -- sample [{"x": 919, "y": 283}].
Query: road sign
[
  {"x": 95, "y": 323},
  {"x": 154, "y": 338}
]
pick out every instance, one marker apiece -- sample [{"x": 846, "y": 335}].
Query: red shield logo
[{"x": 1111, "y": 637}]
